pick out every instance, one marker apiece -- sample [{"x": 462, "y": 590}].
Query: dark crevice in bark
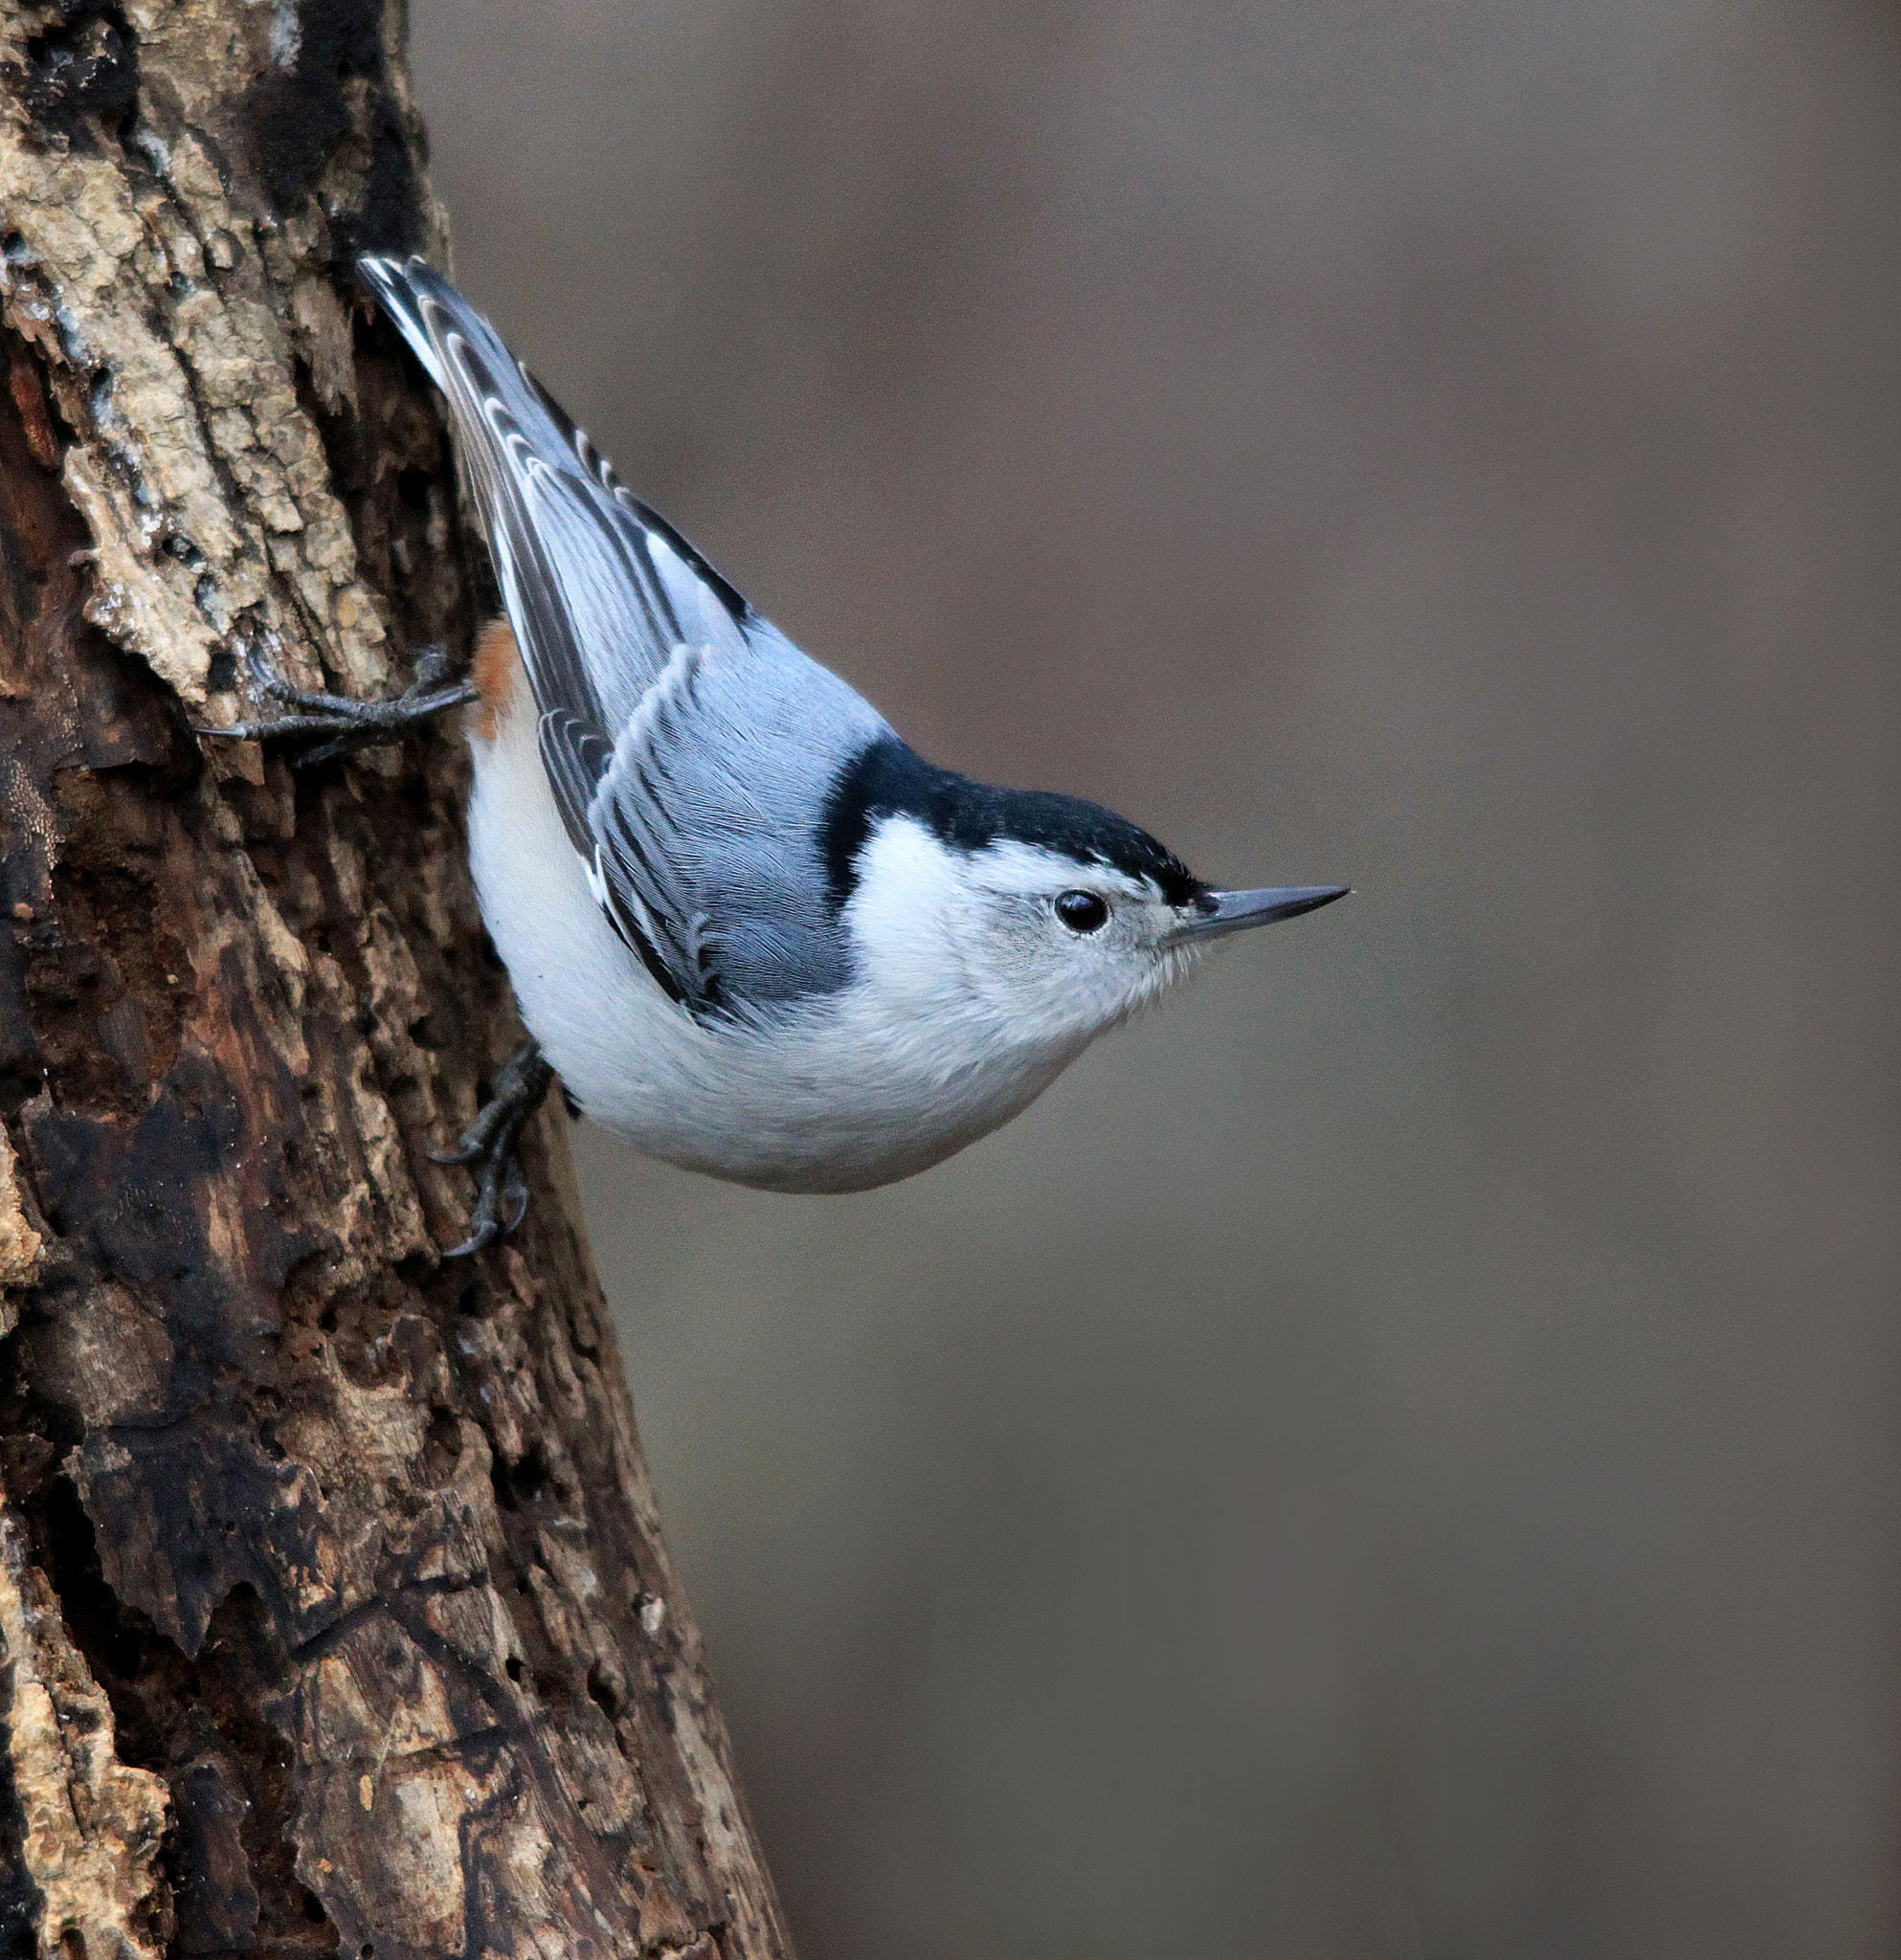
[
  {"x": 21, "y": 1901},
  {"x": 82, "y": 69}
]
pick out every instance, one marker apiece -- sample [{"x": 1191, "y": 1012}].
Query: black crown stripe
[{"x": 890, "y": 779}]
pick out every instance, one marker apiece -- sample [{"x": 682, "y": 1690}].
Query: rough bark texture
[{"x": 334, "y": 1609}]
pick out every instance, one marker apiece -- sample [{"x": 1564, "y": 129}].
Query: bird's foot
[
  {"x": 501, "y": 1193},
  {"x": 337, "y": 724}
]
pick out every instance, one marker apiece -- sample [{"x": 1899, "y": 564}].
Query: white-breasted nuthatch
[{"x": 752, "y": 929}]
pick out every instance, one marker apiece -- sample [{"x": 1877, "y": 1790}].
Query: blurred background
[{"x": 1399, "y": 1454}]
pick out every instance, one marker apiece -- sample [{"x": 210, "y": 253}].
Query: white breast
[{"x": 840, "y": 1094}]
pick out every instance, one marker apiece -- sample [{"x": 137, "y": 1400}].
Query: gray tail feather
[
  {"x": 400, "y": 287},
  {"x": 427, "y": 310}
]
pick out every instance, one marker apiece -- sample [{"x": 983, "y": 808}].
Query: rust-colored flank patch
[{"x": 497, "y": 669}]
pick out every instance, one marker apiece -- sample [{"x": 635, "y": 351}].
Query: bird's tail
[
  {"x": 466, "y": 359},
  {"x": 403, "y": 288}
]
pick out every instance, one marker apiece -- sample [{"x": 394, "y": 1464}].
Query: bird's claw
[
  {"x": 500, "y": 1183},
  {"x": 502, "y": 1192},
  {"x": 347, "y": 725}
]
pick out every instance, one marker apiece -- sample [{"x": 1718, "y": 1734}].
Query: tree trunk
[{"x": 334, "y": 1609}]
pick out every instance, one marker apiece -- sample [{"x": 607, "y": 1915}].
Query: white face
[{"x": 1034, "y": 948}]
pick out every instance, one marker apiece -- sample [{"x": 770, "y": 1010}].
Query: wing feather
[{"x": 648, "y": 865}]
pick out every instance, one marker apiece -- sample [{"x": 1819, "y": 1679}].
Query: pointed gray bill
[{"x": 1225, "y": 912}]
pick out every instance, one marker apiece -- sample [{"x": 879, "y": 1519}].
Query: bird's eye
[{"x": 1081, "y": 911}]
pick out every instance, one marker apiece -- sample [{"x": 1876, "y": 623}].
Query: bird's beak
[{"x": 1225, "y": 912}]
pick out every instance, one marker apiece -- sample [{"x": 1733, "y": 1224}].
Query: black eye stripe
[{"x": 1081, "y": 911}]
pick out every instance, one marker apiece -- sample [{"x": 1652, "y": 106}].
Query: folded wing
[{"x": 689, "y": 747}]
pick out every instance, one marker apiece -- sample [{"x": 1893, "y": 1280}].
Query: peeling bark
[{"x": 334, "y": 1607}]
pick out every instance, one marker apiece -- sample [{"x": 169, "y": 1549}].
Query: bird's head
[{"x": 1035, "y": 920}]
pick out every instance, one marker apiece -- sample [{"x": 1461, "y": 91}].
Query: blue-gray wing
[
  {"x": 643, "y": 869},
  {"x": 706, "y": 824}
]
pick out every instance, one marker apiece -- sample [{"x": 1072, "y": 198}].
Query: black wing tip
[
  {"x": 738, "y": 607},
  {"x": 596, "y": 465}
]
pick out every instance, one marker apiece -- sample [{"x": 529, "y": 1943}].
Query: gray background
[{"x": 1396, "y": 1454}]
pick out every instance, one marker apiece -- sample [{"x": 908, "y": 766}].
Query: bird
[{"x": 748, "y": 927}]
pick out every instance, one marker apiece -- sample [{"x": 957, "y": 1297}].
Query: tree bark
[{"x": 334, "y": 1614}]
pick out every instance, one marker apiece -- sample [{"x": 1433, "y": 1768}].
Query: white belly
[{"x": 836, "y": 1097}]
